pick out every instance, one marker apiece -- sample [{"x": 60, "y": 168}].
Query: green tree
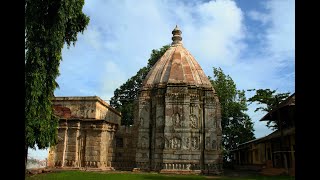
[
  {"x": 127, "y": 93},
  {"x": 268, "y": 100},
  {"x": 48, "y": 26},
  {"x": 237, "y": 126}
]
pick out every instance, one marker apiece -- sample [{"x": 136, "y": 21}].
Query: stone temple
[{"x": 177, "y": 125}]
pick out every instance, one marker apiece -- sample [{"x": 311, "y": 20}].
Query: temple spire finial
[{"x": 176, "y": 38}]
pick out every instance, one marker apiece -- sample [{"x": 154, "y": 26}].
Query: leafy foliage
[
  {"x": 268, "y": 100},
  {"x": 237, "y": 126},
  {"x": 127, "y": 93},
  {"x": 48, "y": 25}
]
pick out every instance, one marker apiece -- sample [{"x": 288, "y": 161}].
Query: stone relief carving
[
  {"x": 144, "y": 142},
  {"x": 207, "y": 142},
  {"x": 219, "y": 125},
  {"x": 145, "y": 155},
  {"x": 141, "y": 121},
  {"x": 210, "y": 100},
  {"x": 175, "y": 143},
  {"x": 186, "y": 144},
  {"x": 214, "y": 145},
  {"x": 193, "y": 121},
  {"x": 160, "y": 143},
  {"x": 160, "y": 121},
  {"x": 195, "y": 143},
  {"x": 145, "y": 108},
  {"x": 166, "y": 143},
  {"x": 176, "y": 120},
  {"x": 211, "y": 114}
]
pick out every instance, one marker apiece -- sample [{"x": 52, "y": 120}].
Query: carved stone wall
[
  {"x": 87, "y": 107},
  {"x": 84, "y": 141},
  {"x": 143, "y": 123},
  {"x": 179, "y": 129},
  {"x": 177, "y": 123}
]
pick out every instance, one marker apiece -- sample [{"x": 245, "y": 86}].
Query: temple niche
[{"x": 177, "y": 90}]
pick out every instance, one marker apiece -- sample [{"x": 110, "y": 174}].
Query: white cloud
[
  {"x": 259, "y": 16},
  {"x": 112, "y": 78},
  {"x": 212, "y": 31},
  {"x": 121, "y": 35},
  {"x": 217, "y": 36},
  {"x": 270, "y": 61},
  {"x": 93, "y": 37},
  {"x": 279, "y": 38}
]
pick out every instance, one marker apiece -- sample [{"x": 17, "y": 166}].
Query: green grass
[{"x": 82, "y": 175}]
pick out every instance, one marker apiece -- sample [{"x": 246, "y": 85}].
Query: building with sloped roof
[{"x": 275, "y": 153}]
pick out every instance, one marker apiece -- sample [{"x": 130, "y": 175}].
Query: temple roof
[{"x": 176, "y": 66}]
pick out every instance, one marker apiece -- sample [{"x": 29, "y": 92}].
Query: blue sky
[{"x": 252, "y": 41}]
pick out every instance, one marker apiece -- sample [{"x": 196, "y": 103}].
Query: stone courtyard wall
[{"x": 125, "y": 148}]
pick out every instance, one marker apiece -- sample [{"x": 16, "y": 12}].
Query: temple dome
[{"x": 176, "y": 66}]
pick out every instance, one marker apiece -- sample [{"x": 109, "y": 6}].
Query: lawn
[{"x": 79, "y": 175}]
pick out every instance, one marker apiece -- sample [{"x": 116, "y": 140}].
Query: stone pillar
[
  {"x": 144, "y": 139},
  {"x": 107, "y": 145},
  {"x": 71, "y": 154},
  {"x": 77, "y": 128},
  {"x": 103, "y": 147},
  {"x": 158, "y": 119},
  {"x": 62, "y": 143},
  {"x": 94, "y": 144},
  {"x": 111, "y": 151},
  {"x": 212, "y": 134}
]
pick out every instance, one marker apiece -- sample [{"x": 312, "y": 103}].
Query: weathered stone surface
[
  {"x": 178, "y": 115},
  {"x": 177, "y": 124},
  {"x": 89, "y": 107},
  {"x": 84, "y": 137}
]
